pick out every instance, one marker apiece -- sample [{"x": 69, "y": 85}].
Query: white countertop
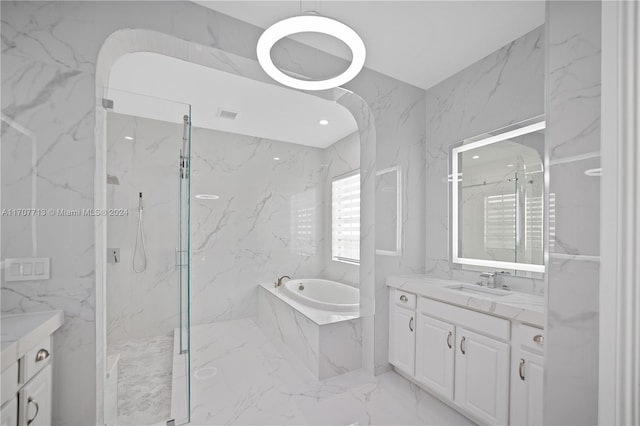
[
  {"x": 523, "y": 307},
  {"x": 22, "y": 332}
]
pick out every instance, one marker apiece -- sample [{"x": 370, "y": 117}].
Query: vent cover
[{"x": 227, "y": 114}]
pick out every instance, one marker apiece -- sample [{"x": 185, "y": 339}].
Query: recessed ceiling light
[
  {"x": 509, "y": 165},
  {"x": 276, "y": 158},
  {"x": 475, "y": 157},
  {"x": 207, "y": 197},
  {"x": 310, "y": 24},
  {"x": 323, "y": 122},
  {"x": 129, "y": 138}
]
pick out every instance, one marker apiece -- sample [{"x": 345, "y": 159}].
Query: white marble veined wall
[
  {"x": 266, "y": 223},
  {"x": 341, "y": 157},
  {"x": 504, "y": 88},
  {"x": 49, "y": 69},
  {"x": 141, "y": 305},
  {"x": 573, "y": 146}
]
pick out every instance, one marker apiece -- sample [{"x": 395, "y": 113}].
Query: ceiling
[
  {"x": 419, "y": 42},
  {"x": 263, "y": 110}
]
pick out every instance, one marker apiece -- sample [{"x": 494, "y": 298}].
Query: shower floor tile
[
  {"x": 144, "y": 380},
  {"x": 240, "y": 376}
]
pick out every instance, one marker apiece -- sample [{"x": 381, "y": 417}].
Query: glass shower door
[{"x": 148, "y": 282}]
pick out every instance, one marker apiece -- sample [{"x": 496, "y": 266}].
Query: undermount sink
[{"x": 476, "y": 289}]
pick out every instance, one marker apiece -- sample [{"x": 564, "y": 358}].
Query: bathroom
[{"x": 192, "y": 236}]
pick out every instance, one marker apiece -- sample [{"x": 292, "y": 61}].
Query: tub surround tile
[
  {"x": 523, "y": 307},
  {"x": 247, "y": 378},
  {"x": 326, "y": 350}
]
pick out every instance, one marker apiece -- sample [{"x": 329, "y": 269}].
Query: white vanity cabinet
[
  {"x": 482, "y": 376},
  {"x": 469, "y": 359},
  {"x": 435, "y": 353},
  {"x": 27, "y": 368},
  {"x": 403, "y": 322},
  {"x": 9, "y": 412},
  {"x": 35, "y": 400},
  {"x": 527, "y": 366}
]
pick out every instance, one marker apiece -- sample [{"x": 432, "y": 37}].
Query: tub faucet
[{"x": 279, "y": 283}]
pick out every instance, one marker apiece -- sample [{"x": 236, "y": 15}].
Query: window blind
[
  {"x": 345, "y": 218},
  {"x": 500, "y": 221}
]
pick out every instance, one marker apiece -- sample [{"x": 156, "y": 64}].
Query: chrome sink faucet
[
  {"x": 279, "y": 283},
  {"x": 487, "y": 279},
  {"x": 498, "y": 279}
]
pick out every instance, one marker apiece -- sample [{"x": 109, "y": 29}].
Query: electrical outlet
[{"x": 27, "y": 269}]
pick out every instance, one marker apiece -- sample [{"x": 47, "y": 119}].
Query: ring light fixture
[{"x": 313, "y": 24}]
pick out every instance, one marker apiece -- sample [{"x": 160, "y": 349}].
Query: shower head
[{"x": 112, "y": 180}]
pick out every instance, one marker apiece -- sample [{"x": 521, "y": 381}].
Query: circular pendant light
[{"x": 312, "y": 24}]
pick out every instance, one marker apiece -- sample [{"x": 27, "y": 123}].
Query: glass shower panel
[{"x": 148, "y": 282}]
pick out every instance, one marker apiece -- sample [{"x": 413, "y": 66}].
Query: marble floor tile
[
  {"x": 144, "y": 380},
  {"x": 240, "y": 376}
]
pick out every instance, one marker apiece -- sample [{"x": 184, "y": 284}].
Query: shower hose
[{"x": 140, "y": 238}]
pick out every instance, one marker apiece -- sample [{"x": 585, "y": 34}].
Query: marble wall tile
[
  {"x": 573, "y": 146},
  {"x": 504, "y": 88},
  {"x": 326, "y": 350},
  {"x": 49, "y": 56}
]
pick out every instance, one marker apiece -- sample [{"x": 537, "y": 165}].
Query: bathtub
[
  {"x": 316, "y": 320},
  {"x": 323, "y": 294}
]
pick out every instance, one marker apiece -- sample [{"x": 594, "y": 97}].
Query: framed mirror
[
  {"x": 497, "y": 199},
  {"x": 389, "y": 211}
]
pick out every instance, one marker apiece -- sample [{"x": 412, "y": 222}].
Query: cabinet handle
[
  {"x": 462, "y": 345},
  {"x": 411, "y": 324},
  {"x": 29, "y": 401},
  {"x": 403, "y": 298},
  {"x": 449, "y": 339},
  {"x": 538, "y": 338},
  {"x": 521, "y": 369},
  {"x": 42, "y": 355}
]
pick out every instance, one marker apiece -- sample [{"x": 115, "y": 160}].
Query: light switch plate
[{"x": 27, "y": 269}]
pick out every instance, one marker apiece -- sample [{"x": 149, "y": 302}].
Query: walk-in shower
[{"x": 147, "y": 295}]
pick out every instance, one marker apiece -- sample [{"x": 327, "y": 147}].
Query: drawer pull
[
  {"x": 449, "y": 339},
  {"x": 521, "y": 369},
  {"x": 42, "y": 355},
  {"x": 29, "y": 401},
  {"x": 538, "y": 338},
  {"x": 462, "y": 345},
  {"x": 403, "y": 298},
  {"x": 411, "y": 324}
]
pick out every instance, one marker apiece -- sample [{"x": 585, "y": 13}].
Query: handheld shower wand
[{"x": 140, "y": 237}]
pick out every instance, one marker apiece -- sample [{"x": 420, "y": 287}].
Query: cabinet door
[
  {"x": 482, "y": 376},
  {"x": 526, "y": 392},
  {"x": 35, "y": 400},
  {"x": 435, "y": 352},
  {"x": 403, "y": 343},
  {"x": 9, "y": 413}
]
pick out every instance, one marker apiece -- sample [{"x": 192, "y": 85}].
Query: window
[
  {"x": 345, "y": 218},
  {"x": 500, "y": 221}
]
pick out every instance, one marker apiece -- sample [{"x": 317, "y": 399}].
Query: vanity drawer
[
  {"x": 9, "y": 383},
  {"x": 36, "y": 359},
  {"x": 404, "y": 299},
  {"x": 482, "y": 323},
  {"x": 530, "y": 337}
]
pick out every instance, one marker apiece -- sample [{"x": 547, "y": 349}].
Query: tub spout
[{"x": 279, "y": 283}]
